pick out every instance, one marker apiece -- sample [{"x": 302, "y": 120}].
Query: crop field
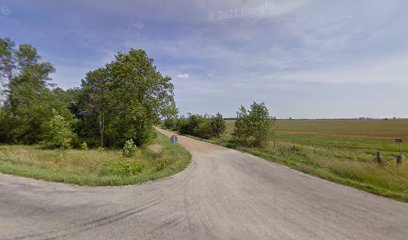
[
  {"x": 372, "y": 134},
  {"x": 342, "y": 151},
  {"x": 368, "y": 129}
]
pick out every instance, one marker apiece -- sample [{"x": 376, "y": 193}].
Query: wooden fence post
[{"x": 379, "y": 160}]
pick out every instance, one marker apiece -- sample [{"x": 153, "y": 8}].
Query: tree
[
  {"x": 125, "y": 99},
  {"x": 57, "y": 132},
  {"x": 191, "y": 125},
  {"x": 143, "y": 97},
  {"x": 254, "y": 126},
  {"x": 29, "y": 98},
  {"x": 95, "y": 101},
  {"x": 7, "y": 64},
  {"x": 217, "y": 125},
  {"x": 201, "y": 126}
]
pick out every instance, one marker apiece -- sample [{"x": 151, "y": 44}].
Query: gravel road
[{"x": 224, "y": 194}]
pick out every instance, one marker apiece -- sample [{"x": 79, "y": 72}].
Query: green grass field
[
  {"x": 343, "y": 151},
  {"x": 94, "y": 167}
]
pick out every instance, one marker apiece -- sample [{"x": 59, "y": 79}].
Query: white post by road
[{"x": 173, "y": 139}]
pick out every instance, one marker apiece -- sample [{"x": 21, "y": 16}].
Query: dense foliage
[
  {"x": 254, "y": 126},
  {"x": 124, "y": 100},
  {"x": 118, "y": 102},
  {"x": 129, "y": 149},
  {"x": 28, "y": 99},
  {"x": 196, "y": 125},
  {"x": 57, "y": 132}
]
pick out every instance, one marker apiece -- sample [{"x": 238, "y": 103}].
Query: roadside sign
[
  {"x": 398, "y": 140},
  {"x": 173, "y": 139}
]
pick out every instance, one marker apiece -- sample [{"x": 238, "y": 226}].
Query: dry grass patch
[{"x": 94, "y": 167}]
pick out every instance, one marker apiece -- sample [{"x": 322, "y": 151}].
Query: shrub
[
  {"x": 121, "y": 168},
  {"x": 170, "y": 123},
  {"x": 179, "y": 123},
  {"x": 190, "y": 125},
  {"x": 255, "y": 126},
  {"x": 217, "y": 125},
  {"x": 129, "y": 149},
  {"x": 202, "y": 126},
  {"x": 202, "y": 130},
  {"x": 76, "y": 142},
  {"x": 57, "y": 132},
  {"x": 84, "y": 146}
]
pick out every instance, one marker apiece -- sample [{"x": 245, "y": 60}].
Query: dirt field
[{"x": 368, "y": 129}]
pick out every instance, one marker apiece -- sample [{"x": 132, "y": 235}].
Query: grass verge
[{"x": 95, "y": 167}]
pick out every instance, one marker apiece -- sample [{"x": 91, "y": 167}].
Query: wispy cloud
[
  {"x": 182, "y": 75},
  {"x": 294, "y": 48}
]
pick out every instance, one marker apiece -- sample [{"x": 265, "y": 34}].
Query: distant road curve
[{"x": 224, "y": 194}]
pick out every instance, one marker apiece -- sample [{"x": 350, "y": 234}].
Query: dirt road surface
[{"x": 224, "y": 194}]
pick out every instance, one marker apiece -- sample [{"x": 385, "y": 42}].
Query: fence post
[
  {"x": 399, "y": 160},
  {"x": 379, "y": 160}
]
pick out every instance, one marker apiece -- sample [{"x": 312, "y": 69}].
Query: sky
[{"x": 303, "y": 58}]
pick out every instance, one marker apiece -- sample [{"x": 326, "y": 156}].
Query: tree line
[
  {"x": 118, "y": 102},
  {"x": 205, "y": 126},
  {"x": 253, "y": 127}
]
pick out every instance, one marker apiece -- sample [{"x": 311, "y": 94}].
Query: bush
[
  {"x": 191, "y": 124},
  {"x": 255, "y": 126},
  {"x": 57, "y": 132},
  {"x": 202, "y": 126},
  {"x": 76, "y": 142},
  {"x": 121, "y": 168},
  {"x": 84, "y": 146},
  {"x": 202, "y": 130},
  {"x": 170, "y": 123},
  {"x": 217, "y": 125},
  {"x": 6, "y": 124},
  {"x": 129, "y": 149}
]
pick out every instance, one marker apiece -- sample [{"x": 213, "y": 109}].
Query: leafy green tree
[
  {"x": 7, "y": 64},
  {"x": 254, "y": 126},
  {"x": 192, "y": 125},
  {"x": 143, "y": 97},
  {"x": 201, "y": 126},
  {"x": 28, "y": 95},
  {"x": 217, "y": 125},
  {"x": 125, "y": 99},
  {"x": 29, "y": 98},
  {"x": 57, "y": 132},
  {"x": 95, "y": 101}
]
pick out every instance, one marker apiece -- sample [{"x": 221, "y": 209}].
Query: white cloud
[
  {"x": 390, "y": 69},
  {"x": 182, "y": 75},
  {"x": 138, "y": 25}
]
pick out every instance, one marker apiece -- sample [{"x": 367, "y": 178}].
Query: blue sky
[{"x": 303, "y": 58}]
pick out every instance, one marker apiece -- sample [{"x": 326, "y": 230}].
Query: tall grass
[{"x": 94, "y": 167}]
